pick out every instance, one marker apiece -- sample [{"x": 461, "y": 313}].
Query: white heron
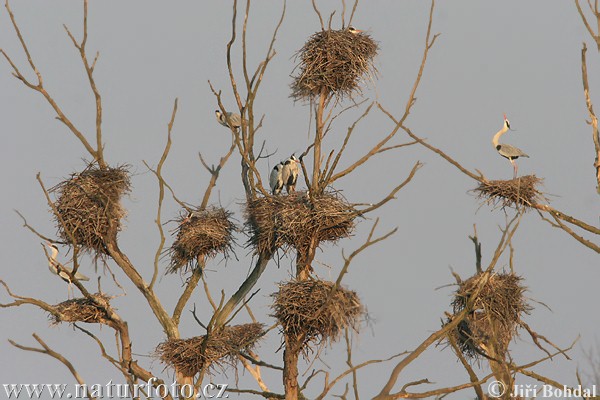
[
  {"x": 234, "y": 119},
  {"x": 290, "y": 173},
  {"x": 59, "y": 269},
  {"x": 276, "y": 179},
  {"x": 353, "y": 30},
  {"x": 506, "y": 150}
]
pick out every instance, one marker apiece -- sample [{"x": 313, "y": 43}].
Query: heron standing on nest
[
  {"x": 276, "y": 179},
  {"x": 290, "y": 173},
  {"x": 229, "y": 118},
  {"x": 58, "y": 269},
  {"x": 506, "y": 150}
]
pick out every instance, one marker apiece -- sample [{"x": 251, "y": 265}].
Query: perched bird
[
  {"x": 506, "y": 150},
  {"x": 276, "y": 179},
  {"x": 234, "y": 119},
  {"x": 290, "y": 173},
  {"x": 58, "y": 269},
  {"x": 353, "y": 30}
]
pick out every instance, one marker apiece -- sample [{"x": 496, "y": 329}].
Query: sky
[{"x": 518, "y": 58}]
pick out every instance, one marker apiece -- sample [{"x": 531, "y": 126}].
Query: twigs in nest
[
  {"x": 518, "y": 192},
  {"x": 88, "y": 207},
  {"x": 334, "y": 62},
  {"x": 496, "y": 313},
  {"x": 297, "y": 220},
  {"x": 220, "y": 348},
  {"x": 202, "y": 233},
  {"x": 305, "y": 310},
  {"x": 90, "y": 310}
]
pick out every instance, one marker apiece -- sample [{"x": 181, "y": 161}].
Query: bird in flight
[
  {"x": 59, "y": 269},
  {"x": 506, "y": 150}
]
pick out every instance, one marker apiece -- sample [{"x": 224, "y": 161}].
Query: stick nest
[
  {"x": 304, "y": 310},
  {"x": 495, "y": 317},
  {"x": 201, "y": 233},
  {"x": 334, "y": 62},
  {"x": 82, "y": 310},
  {"x": 297, "y": 221},
  {"x": 220, "y": 349},
  {"x": 516, "y": 192},
  {"x": 88, "y": 208}
]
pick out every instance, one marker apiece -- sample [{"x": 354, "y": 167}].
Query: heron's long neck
[{"x": 497, "y": 135}]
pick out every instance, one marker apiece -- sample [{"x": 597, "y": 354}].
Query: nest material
[
  {"x": 88, "y": 207},
  {"x": 297, "y": 221},
  {"x": 201, "y": 233},
  {"x": 495, "y": 317},
  {"x": 516, "y": 192},
  {"x": 334, "y": 62},
  {"x": 189, "y": 356},
  {"x": 305, "y": 310},
  {"x": 83, "y": 310}
]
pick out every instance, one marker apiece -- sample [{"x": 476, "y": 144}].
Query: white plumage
[{"x": 506, "y": 150}]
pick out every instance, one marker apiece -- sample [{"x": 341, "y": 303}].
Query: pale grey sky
[{"x": 513, "y": 57}]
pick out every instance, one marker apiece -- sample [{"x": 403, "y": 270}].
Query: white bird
[
  {"x": 353, "y": 30},
  {"x": 276, "y": 179},
  {"x": 506, "y": 150},
  {"x": 58, "y": 269},
  {"x": 234, "y": 119},
  {"x": 290, "y": 173}
]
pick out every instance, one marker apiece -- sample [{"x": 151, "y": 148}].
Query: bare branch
[{"x": 593, "y": 119}]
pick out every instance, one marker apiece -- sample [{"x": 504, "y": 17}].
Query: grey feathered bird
[
  {"x": 506, "y": 150},
  {"x": 234, "y": 119},
  {"x": 276, "y": 179},
  {"x": 290, "y": 173},
  {"x": 59, "y": 269}
]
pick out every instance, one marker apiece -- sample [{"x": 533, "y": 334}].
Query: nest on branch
[
  {"x": 334, "y": 63},
  {"x": 297, "y": 221},
  {"x": 518, "y": 192},
  {"x": 83, "y": 310},
  {"x": 495, "y": 317},
  {"x": 88, "y": 206},
  {"x": 307, "y": 309},
  {"x": 201, "y": 233},
  {"x": 220, "y": 349}
]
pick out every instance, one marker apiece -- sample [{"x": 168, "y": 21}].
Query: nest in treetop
[
  {"x": 305, "y": 310},
  {"x": 189, "y": 356},
  {"x": 201, "y": 233},
  {"x": 518, "y": 192},
  {"x": 334, "y": 62},
  {"x": 496, "y": 314},
  {"x": 82, "y": 310},
  {"x": 297, "y": 221},
  {"x": 88, "y": 206}
]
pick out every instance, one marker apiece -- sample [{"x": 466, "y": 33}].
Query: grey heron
[
  {"x": 506, "y": 150},
  {"x": 290, "y": 173},
  {"x": 225, "y": 119},
  {"x": 59, "y": 269},
  {"x": 353, "y": 30},
  {"x": 276, "y": 179}
]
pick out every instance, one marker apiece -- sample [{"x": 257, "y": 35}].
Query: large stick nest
[
  {"x": 298, "y": 221},
  {"x": 496, "y": 313},
  {"x": 518, "y": 192},
  {"x": 201, "y": 233},
  {"x": 220, "y": 349},
  {"x": 83, "y": 310},
  {"x": 88, "y": 207},
  {"x": 334, "y": 62},
  {"x": 309, "y": 311}
]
